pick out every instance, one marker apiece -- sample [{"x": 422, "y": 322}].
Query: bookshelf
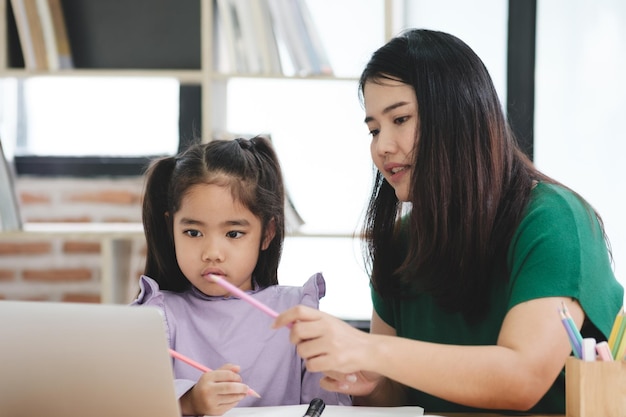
[
  {"x": 198, "y": 71},
  {"x": 194, "y": 70}
]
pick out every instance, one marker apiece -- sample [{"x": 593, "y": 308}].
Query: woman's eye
[
  {"x": 234, "y": 234},
  {"x": 193, "y": 233},
  {"x": 374, "y": 132},
  {"x": 400, "y": 120}
]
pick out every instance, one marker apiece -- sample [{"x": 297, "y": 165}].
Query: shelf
[{"x": 184, "y": 76}]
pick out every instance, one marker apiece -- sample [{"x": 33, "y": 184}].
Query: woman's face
[{"x": 392, "y": 119}]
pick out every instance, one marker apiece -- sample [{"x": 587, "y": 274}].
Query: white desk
[{"x": 340, "y": 411}]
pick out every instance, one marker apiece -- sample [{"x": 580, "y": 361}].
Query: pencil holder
[{"x": 595, "y": 388}]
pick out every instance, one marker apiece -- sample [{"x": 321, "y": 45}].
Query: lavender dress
[{"x": 219, "y": 330}]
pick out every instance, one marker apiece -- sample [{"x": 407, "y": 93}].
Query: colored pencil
[
  {"x": 241, "y": 294},
  {"x": 573, "y": 340},
  {"x": 202, "y": 368},
  {"x": 617, "y": 333}
]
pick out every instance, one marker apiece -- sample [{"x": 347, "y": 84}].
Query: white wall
[{"x": 580, "y": 105}]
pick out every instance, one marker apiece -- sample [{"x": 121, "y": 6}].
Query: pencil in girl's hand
[{"x": 202, "y": 368}]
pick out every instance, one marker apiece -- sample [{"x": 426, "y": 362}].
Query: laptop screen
[{"x": 71, "y": 360}]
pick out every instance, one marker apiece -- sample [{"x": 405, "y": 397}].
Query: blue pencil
[{"x": 572, "y": 332}]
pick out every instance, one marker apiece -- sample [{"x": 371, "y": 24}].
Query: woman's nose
[{"x": 385, "y": 143}]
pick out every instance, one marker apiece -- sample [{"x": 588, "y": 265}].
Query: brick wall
[{"x": 66, "y": 269}]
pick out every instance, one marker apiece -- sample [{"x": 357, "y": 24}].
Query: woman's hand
[
  {"x": 356, "y": 384},
  {"x": 215, "y": 393},
  {"x": 352, "y": 360},
  {"x": 325, "y": 342}
]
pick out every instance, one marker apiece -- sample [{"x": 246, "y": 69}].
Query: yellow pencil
[
  {"x": 617, "y": 332},
  {"x": 621, "y": 350}
]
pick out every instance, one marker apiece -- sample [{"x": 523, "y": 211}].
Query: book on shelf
[
  {"x": 10, "y": 217},
  {"x": 264, "y": 37},
  {"x": 321, "y": 62},
  {"x": 63, "y": 50},
  {"x": 297, "y": 33},
  {"x": 249, "y": 42},
  {"x": 42, "y": 34},
  {"x": 30, "y": 33},
  {"x": 47, "y": 29},
  {"x": 229, "y": 38},
  {"x": 223, "y": 44},
  {"x": 268, "y": 37}
]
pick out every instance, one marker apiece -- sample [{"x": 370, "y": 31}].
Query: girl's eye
[
  {"x": 374, "y": 132},
  {"x": 234, "y": 234},
  {"x": 193, "y": 233}
]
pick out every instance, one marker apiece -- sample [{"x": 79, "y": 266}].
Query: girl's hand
[{"x": 215, "y": 393}]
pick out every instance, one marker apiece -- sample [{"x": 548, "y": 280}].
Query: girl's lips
[{"x": 207, "y": 273}]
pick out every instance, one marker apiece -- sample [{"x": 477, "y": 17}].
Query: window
[
  {"x": 98, "y": 116},
  {"x": 580, "y": 102}
]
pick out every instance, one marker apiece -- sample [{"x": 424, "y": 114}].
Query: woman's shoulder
[
  {"x": 557, "y": 203},
  {"x": 556, "y": 194}
]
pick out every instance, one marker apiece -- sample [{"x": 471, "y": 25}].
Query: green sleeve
[
  {"x": 383, "y": 308},
  {"x": 559, "y": 251}
]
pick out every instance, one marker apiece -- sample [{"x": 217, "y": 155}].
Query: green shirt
[{"x": 558, "y": 250}]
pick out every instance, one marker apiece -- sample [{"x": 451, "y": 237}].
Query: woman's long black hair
[{"x": 470, "y": 181}]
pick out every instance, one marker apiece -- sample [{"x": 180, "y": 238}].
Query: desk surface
[
  {"x": 496, "y": 415},
  {"x": 342, "y": 411}
]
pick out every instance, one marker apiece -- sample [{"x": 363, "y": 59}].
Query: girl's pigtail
[
  {"x": 271, "y": 203},
  {"x": 161, "y": 262}
]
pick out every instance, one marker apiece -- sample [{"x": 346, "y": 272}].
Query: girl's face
[
  {"x": 392, "y": 119},
  {"x": 214, "y": 234}
]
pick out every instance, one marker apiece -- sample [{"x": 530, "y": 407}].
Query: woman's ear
[{"x": 270, "y": 232}]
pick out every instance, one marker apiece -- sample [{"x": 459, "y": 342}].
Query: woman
[{"x": 472, "y": 250}]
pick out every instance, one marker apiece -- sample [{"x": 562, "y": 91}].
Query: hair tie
[{"x": 245, "y": 143}]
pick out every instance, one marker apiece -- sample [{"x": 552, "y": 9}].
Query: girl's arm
[{"x": 514, "y": 374}]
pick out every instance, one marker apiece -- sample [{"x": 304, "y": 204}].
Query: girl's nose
[{"x": 212, "y": 253}]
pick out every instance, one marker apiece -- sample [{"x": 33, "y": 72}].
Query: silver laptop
[{"x": 78, "y": 360}]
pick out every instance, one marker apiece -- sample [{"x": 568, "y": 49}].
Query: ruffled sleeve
[
  {"x": 149, "y": 293},
  {"x": 313, "y": 290}
]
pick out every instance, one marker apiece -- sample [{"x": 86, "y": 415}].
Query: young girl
[{"x": 218, "y": 208}]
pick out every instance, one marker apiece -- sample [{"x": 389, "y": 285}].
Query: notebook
[{"x": 77, "y": 360}]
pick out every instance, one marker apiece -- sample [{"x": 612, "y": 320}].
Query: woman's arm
[
  {"x": 514, "y": 374},
  {"x": 387, "y": 391}
]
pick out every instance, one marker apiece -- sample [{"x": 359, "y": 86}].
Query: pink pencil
[
  {"x": 240, "y": 294},
  {"x": 202, "y": 368}
]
